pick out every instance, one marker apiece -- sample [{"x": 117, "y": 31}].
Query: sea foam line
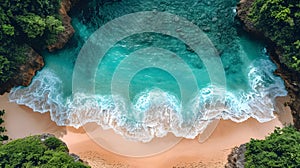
[{"x": 156, "y": 112}]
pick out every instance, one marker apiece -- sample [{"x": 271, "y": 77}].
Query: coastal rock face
[
  {"x": 35, "y": 62},
  {"x": 242, "y": 12},
  {"x": 27, "y": 71},
  {"x": 292, "y": 84},
  {"x": 291, "y": 78},
  {"x": 236, "y": 159},
  {"x": 63, "y": 37}
]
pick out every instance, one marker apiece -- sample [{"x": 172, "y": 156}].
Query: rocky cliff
[
  {"x": 25, "y": 72},
  {"x": 236, "y": 159},
  {"x": 63, "y": 37},
  {"x": 35, "y": 61},
  {"x": 290, "y": 77}
]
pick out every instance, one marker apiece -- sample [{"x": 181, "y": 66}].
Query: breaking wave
[{"x": 154, "y": 113}]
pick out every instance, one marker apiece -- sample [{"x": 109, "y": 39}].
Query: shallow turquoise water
[{"x": 155, "y": 103}]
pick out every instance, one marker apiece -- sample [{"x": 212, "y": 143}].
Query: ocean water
[{"x": 150, "y": 84}]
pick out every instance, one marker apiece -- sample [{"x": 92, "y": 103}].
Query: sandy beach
[{"x": 21, "y": 121}]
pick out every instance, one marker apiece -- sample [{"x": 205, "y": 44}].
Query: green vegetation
[
  {"x": 280, "y": 21},
  {"x": 33, "y": 152},
  {"x": 25, "y": 24},
  {"x": 2, "y": 129},
  {"x": 55, "y": 144},
  {"x": 279, "y": 149}
]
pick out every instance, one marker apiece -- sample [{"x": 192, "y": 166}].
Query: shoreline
[
  {"x": 21, "y": 121},
  {"x": 289, "y": 76}
]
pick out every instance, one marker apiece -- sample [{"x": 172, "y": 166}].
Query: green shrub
[
  {"x": 32, "y": 25},
  {"x": 279, "y": 149},
  {"x": 280, "y": 21},
  {"x": 55, "y": 144},
  {"x": 32, "y": 152},
  {"x": 25, "y": 24},
  {"x": 4, "y": 68},
  {"x": 2, "y": 129}
]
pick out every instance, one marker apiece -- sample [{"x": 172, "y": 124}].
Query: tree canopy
[
  {"x": 2, "y": 129},
  {"x": 280, "y": 21},
  {"x": 25, "y": 24},
  {"x": 279, "y": 149},
  {"x": 34, "y": 152}
]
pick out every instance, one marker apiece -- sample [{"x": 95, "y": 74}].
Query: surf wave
[{"x": 154, "y": 113}]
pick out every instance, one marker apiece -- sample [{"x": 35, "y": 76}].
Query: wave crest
[{"x": 154, "y": 113}]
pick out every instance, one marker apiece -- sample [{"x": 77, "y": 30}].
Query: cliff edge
[
  {"x": 291, "y": 78},
  {"x": 34, "y": 61}
]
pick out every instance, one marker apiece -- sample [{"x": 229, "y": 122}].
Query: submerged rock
[
  {"x": 214, "y": 19},
  {"x": 206, "y": 29}
]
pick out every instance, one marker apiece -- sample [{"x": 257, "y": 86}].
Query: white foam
[{"x": 154, "y": 113}]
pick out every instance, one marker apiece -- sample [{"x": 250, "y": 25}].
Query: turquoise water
[{"x": 152, "y": 101}]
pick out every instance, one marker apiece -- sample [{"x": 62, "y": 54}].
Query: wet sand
[{"x": 21, "y": 121}]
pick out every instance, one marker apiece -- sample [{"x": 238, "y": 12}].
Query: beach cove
[
  {"x": 21, "y": 121},
  {"x": 152, "y": 99}
]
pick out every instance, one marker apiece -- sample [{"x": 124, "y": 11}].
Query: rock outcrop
[
  {"x": 236, "y": 159},
  {"x": 26, "y": 72},
  {"x": 242, "y": 12},
  {"x": 63, "y": 37},
  {"x": 35, "y": 62},
  {"x": 292, "y": 84},
  {"x": 291, "y": 78}
]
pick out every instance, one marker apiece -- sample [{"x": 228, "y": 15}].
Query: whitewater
[{"x": 152, "y": 105}]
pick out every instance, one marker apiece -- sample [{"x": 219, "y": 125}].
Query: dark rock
[
  {"x": 75, "y": 157},
  {"x": 236, "y": 159}
]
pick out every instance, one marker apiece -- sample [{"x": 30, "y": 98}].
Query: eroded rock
[{"x": 63, "y": 37}]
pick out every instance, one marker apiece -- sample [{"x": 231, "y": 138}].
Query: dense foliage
[
  {"x": 33, "y": 152},
  {"x": 279, "y": 149},
  {"x": 25, "y": 23},
  {"x": 280, "y": 21},
  {"x": 2, "y": 129}
]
